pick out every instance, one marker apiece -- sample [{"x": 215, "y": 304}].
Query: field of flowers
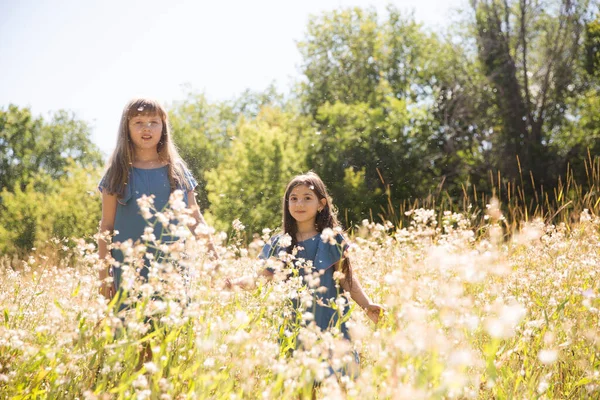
[{"x": 471, "y": 313}]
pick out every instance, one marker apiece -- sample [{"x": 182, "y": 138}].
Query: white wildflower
[
  {"x": 151, "y": 367},
  {"x": 148, "y": 235},
  {"x": 285, "y": 240},
  {"x": 209, "y": 362},
  {"x": 176, "y": 200},
  {"x": 547, "y": 356},
  {"x": 328, "y": 236},
  {"x": 237, "y": 225}
]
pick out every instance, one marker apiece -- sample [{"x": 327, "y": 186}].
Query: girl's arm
[
  {"x": 200, "y": 220},
  {"x": 109, "y": 210},
  {"x": 374, "y": 311}
]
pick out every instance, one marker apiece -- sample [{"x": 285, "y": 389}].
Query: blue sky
[{"x": 90, "y": 57}]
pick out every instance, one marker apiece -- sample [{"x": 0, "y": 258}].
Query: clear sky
[{"x": 91, "y": 56}]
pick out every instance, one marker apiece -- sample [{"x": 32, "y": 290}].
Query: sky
[{"x": 91, "y": 57}]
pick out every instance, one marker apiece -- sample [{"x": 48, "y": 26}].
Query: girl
[
  {"x": 309, "y": 219},
  {"x": 145, "y": 162}
]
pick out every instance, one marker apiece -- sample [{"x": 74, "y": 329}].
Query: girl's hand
[
  {"x": 228, "y": 284},
  {"x": 244, "y": 283},
  {"x": 374, "y": 311},
  {"x": 107, "y": 289}
]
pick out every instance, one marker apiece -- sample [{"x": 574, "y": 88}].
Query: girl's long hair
[
  {"x": 121, "y": 160},
  {"x": 326, "y": 218}
]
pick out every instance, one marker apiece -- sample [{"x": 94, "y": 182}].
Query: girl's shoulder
[{"x": 111, "y": 182}]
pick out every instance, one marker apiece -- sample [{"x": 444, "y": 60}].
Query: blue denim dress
[
  {"x": 324, "y": 257},
  {"x": 130, "y": 224}
]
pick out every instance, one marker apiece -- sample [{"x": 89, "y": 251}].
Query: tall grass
[
  {"x": 471, "y": 313},
  {"x": 522, "y": 200}
]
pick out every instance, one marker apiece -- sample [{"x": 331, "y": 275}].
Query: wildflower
[
  {"x": 508, "y": 318},
  {"x": 543, "y": 386},
  {"x": 140, "y": 382},
  {"x": 338, "y": 275},
  {"x": 151, "y": 367},
  {"x": 176, "y": 200},
  {"x": 89, "y": 395},
  {"x": 163, "y": 219},
  {"x": 585, "y": 216},
  {"x": 308, "y": 316},
  {"x": 328, "y": 236},
  {"x": 237, "y": 225},
  {"x": 266, "y": 233},
  {"x": 547, "y": 356},
  {"x": 182, "y": 232},
  {"x": 145, "y": 203},
  {"x": 148, "y": 235},
  {"x": 285, "y": 240},
  {"x": 493, "y": 209},
  {"x": 203, "y": 229},
  {"x": 241, "y": 318}
]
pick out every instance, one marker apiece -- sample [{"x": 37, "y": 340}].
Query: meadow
[{"x": 474, "y": 310}]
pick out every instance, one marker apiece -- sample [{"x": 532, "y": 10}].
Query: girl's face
[
  {"x": 145, "y": 131},
  {"x": 304, "y": 204}
]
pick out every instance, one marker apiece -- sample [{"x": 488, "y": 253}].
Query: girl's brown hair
[
  {"x": 326, "y": 218},
  {"x": 121, "y": 160}
]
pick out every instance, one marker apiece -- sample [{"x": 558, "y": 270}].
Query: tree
[
  {"x": 47, "y": 170},
  {"x": 248, "y": 184},
  {"x": 376, "y": 145},
  {"x": 592, "y": 47},
  {"x": 393, "y": 103},
  {"x": 351, "y": 57},
  {"x": 530, "y": 54},
  {"x": 29, "y": 145},
  {"x": 65, "y": 208},
  {"x": 204, "y": 130}
]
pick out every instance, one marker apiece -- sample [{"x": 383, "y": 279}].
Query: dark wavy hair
[{"x": 326, "y": 218}]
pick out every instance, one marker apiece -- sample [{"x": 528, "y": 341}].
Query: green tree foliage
[
  {"x": 580, "y": 136},
  {"x": 393, "y": 102},
  {"x": 384, "y": 111},
  {"x": 48, "y": 176},
  {"x": 203, "y": 130},
  {"x": 249, "y": 183},
  {"x": 29, "y": 145},
  {"x": 530, "y": 54},
  {"x": 65, "y": 208},
  {"x": 378, "y": 145},
  {"x": 592, "y": 47},
  {"x": 351, "y": 57},
  {"x": 460, "y": 119}
]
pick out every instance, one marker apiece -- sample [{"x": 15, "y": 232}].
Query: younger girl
[
  {"x": 307, "y": 213},
  {"x": 145, "y": 162}
]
